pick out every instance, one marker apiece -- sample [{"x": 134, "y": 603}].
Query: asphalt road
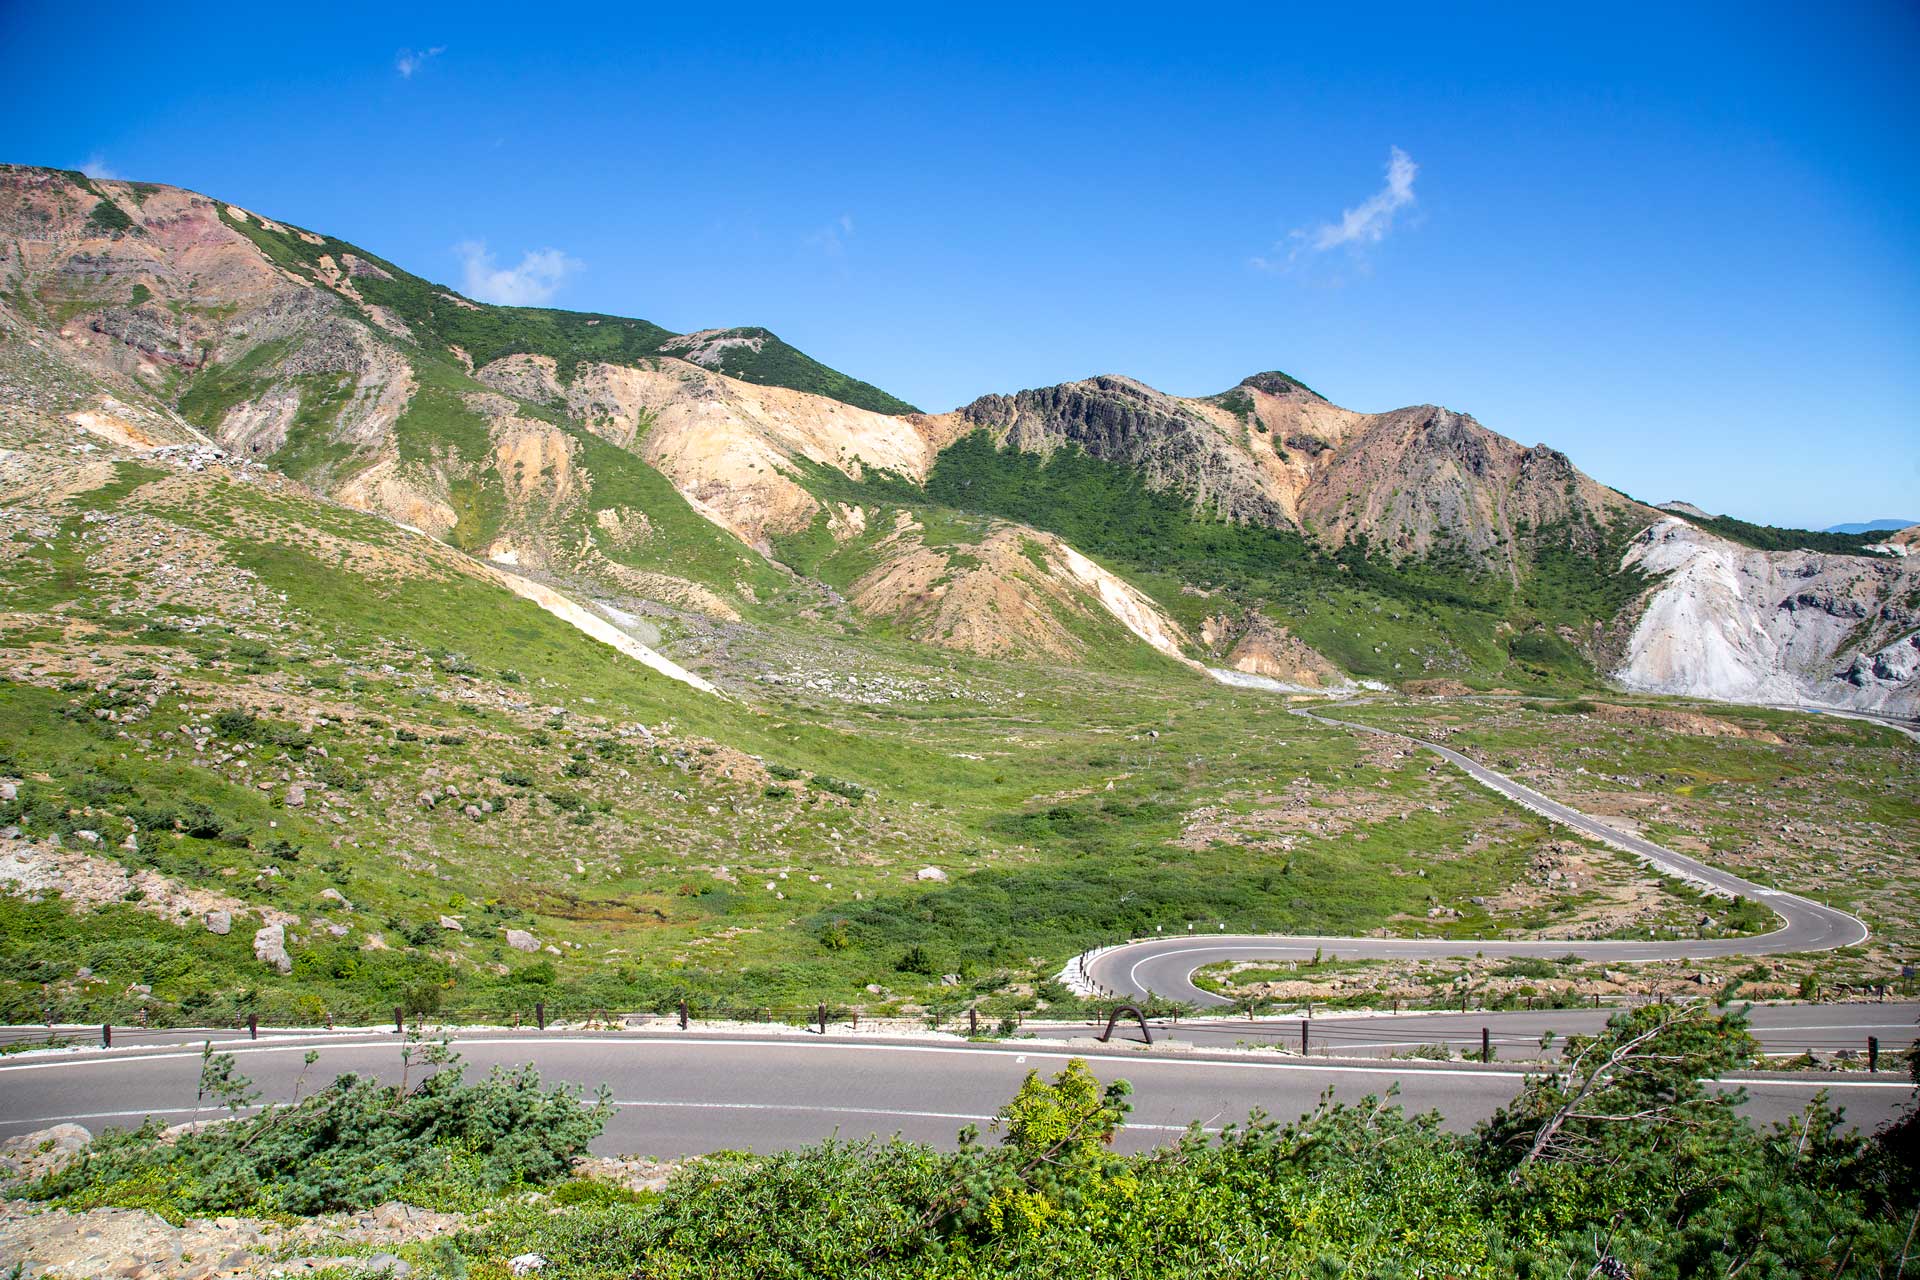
[
  {"x": 1164, "y": 966},
  {"x": 689, "y": 1092},
  {"x": 1824, "y": 1029}
]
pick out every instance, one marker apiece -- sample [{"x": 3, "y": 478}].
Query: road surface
[
  {"x": 689, "y": 1092},
  {"x": 1164, "y": 966}
]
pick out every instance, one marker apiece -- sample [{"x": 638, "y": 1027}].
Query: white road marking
[{"x": 245, "y": 1048}]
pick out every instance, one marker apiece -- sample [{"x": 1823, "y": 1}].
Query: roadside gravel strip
[{"x": 1165, "y": 966}]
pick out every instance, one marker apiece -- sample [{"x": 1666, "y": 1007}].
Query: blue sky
[{"x": 1680, "y": 242}]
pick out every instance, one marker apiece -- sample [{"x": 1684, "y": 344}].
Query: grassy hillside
[{"x": 440, "y": 318}]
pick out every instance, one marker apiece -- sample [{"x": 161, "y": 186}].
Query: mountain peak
[{"x": 1276, "y": 383}]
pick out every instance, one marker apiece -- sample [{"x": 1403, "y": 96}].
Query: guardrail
[{"x": 1461, "y": 1036}]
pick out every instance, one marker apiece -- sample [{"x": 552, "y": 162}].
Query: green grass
[{"x": 487, "y": 332}]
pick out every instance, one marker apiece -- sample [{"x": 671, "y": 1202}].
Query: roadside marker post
[
  {"x": 399, "y": 1021},
  {"x": 1486, "y": 1046},
  {"x": 1303, "y": 1037},
  {"x": 540, "y": 1013},
  {"x": 106, "y": 1035},
  {"x": 973, "y": 1022},
  {"x": 253, "y": 1026},
  {"x": 683, "y": 1015},
  {"x": 1873, "y": 1053},
  {"x": 823, "y": 1018}
]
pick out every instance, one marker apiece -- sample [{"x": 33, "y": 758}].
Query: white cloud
[
  {"x": 537, "y": 278},
  {"x": 832, "y": 238},
  {"x": 1366, "y": 223},
  {"x": 408, "y": 61},
  {"x": 96, "y": 167}
]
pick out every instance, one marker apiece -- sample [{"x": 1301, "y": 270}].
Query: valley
[{"x": 365, "y": 645}]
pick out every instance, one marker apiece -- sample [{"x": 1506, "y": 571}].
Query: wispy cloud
[
  {"x": 832, "y": 238},
  {"x": 537, "y": 278},
  {"x": 1365, "y": 224},
  {"x": 96, "y": 167},
  {"x": 408, "y": 61}
]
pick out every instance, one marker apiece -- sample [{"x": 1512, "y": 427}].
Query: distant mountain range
[
  {"x": 1872, "y": 526},
  {"x": 722, "y": 478}
]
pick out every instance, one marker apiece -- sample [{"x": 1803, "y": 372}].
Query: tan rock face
[
  {"x": 1271, "y": 452},
  {"x": 730, "y": 447},
  {"x": 1265, "y": 648},
  {"x": 1014, "y": 593}
]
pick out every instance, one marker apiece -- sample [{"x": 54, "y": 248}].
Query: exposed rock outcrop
[{"x": 1802, "y": 627}]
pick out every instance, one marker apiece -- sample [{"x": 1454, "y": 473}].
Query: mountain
[
  {"x": 1873, "y": 526},
  {"x": 368, "y": 646},
  {"x": 721, "y": 479}
]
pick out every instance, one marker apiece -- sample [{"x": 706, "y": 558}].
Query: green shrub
[
  {"x": 107, "y": 217},
  {"x": 839, "y": 786},
  {"x": 354, "y": 1144}
]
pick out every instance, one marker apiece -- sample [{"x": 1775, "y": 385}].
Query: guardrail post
[
  {"x": 253, "y": 1026},
  {"x": 106, "y": 1035},
  {"x": 683, "y": 1015},
  {"x": 1873, "y": 1053},
  {"x": 540, "y": 1013},
  {"x": 1486, "y": 1046}
]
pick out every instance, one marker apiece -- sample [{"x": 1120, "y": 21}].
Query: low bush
[{"x": 353, "y": 1144}]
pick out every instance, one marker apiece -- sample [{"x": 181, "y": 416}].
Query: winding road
[
  {"x": 689, "y": 1092},
  {"x": 1164, "y": 967}
]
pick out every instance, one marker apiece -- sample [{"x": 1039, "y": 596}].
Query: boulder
[
  {"x": 32, "y": 1154},
  {"x": 521, "y": 940},
  {"x": 929, "y": 873},
  {"x": 220, "y": 922},
  {"x": 270, "y": 947}
]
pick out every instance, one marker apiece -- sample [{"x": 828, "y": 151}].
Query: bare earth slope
[{"x": 1734, "y": 623}]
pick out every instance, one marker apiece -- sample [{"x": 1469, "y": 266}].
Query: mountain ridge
[{"x": 723, "y": 477}]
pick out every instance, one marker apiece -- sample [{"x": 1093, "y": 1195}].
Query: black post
[
  {"x": 253, "y": 1026},
  {"x": 1873, "y": 1053},
  {"x": 106, "y": 1035},
  {"x": 1596, "y": 999},
  {"x": 683, "y": 1015},
  {"x": 823, "y": 1018},
  {"x": 540, "y": 1013},
  {"x": 399, "y": 1021},
  {"x": 1486, "y": 1046},
  {"x": 973, "y": 1022},
  {"x": 1303, "y": 1037}
]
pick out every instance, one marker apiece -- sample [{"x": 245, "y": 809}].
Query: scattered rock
[
  {"x": 525, "y": 1264},
  {"x": 929, "y": 873},
  {"x": 521, "y": 940},
  {"x": 220, "y": 922},
  {"x": 270, "y": 947}
]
